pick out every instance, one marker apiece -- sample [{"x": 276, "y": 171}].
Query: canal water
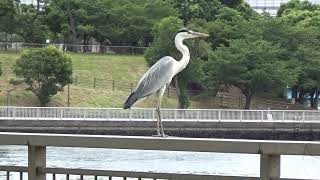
[{"x": 159, "y": 161}]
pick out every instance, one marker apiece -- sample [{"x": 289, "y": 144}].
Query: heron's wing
[{"x": 160, "y": 74}]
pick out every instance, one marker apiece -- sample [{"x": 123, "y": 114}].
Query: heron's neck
[{"x": 185, "y": 54}]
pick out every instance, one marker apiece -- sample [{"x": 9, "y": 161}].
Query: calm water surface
[{"x": 161, "y": 161}]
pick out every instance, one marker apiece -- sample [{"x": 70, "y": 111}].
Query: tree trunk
[
  {"x": 248, "y": 95},
  {"x": 6, "y": 41},
  {"x": 72, "y": 28},
  {"x": 248, "y": 102},
  {"x": 312, "y": 100},
  {"x": 316, "y": 100},
  {"x": 38, "y": 5}
]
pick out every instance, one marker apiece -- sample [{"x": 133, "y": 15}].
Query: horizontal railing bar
[
  {"x": 151, "y": 175},
  {"x": 158, "y": 143},
  {"x": 14, "y": 168},
  {"x": 139, "y": 174}
]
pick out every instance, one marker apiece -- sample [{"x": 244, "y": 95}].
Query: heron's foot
[{"x": 160, "y": 135}]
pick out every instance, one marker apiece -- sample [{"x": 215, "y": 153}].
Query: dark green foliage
[
  {"x": 164, "y": 33},
  {"x": 297, "y": 5},
  {"x": 31, "y": 26},
  {"x": 251, "y": 65},
  {"x": 45, "y": 72},
  {"x": 8, "y": 21}
]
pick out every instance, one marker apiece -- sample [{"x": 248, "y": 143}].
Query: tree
[
  {"x": 198, "y": 9},
  {"x": 129, "y": 22},
  {"x": 302, "y": 44},
  {"x": 296, "y": 5},
  {"x": 252, "y": 65},
  {"x": 45, "y": 72},
  {"x": 7, "y": 18},
  {"x": 31, "y": 26}
]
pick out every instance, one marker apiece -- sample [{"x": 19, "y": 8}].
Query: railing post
[
  {"x": 303, "y": 116},
  {"x": 262, "y": 118},
  {"x": 14, "y": 113},
  {"x": 61, "y": 113},
  {"x": 175, "y": 114},
  {"x": 36, "y": 159},
  {"x": 269, "y": 167},
  {"x": 219, "y": 115},
  {"x": 241, "y": 115},
  {"x": 130, "y": 114},
  {"x": 282, "y": 116},
  {"x": 198, "y": 115},
  {"x": 153, "y": 111},
  {"x": 37, "y": 111}
]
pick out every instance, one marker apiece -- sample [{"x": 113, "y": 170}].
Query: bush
[{"x": 45, "y": 72}]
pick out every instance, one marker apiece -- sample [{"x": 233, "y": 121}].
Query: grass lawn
[{"x": 105, "y": 68}]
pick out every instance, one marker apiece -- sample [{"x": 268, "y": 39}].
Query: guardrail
[
  {"x": 269, "y": 151},
  {"x": 149, "y": 114}
]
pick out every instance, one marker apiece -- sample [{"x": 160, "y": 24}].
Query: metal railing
[
  {"x": 149, "y": 114},
  {"x": 269, "y": 150}
]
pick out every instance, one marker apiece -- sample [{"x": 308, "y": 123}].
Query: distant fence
[{"x": 131, "y": 50}]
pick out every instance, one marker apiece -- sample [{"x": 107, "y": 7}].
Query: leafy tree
[
  {"x": 199, "y": 9},
  {"x": 7, "y": 18},
  {"x": 301, "y": 42},
  {"x": 31, "y": 26},
  {"x": 45, "y": 71},
  {"x": 252, "y": 65},
  {"x": 129, "y": 22},
  {"x": 296, "y": 5},
  {"x": 69, "y": 19}
]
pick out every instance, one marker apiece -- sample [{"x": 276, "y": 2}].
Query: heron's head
[{"x": 185, "y": 33}]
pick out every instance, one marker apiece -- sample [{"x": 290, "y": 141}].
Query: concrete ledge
[{"x": 235, "y": 130}]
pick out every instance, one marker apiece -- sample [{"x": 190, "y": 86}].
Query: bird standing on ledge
[{"x": 159, "y": 76}]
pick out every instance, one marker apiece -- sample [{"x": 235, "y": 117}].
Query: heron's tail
[{"x": 130, "y": 101}]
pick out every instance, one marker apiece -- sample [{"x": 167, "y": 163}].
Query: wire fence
[
  {"x": 78, "y": 48},
  {"x": 220, "y": 100}
]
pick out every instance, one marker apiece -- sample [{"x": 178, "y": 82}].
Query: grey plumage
[{"x": 159, "y": 75}]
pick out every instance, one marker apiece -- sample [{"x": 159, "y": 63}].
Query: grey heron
[{"x": 159, "y": 76}]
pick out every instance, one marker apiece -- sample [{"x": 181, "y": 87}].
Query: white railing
[
  {"x": 149, "y": 114},
  {"x": 269, "y": 150}
]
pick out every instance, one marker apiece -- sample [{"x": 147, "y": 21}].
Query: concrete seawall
[{"x": 234, "y": 130}]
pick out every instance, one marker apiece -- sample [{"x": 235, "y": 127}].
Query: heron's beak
[{"x": 198, "y": 34}]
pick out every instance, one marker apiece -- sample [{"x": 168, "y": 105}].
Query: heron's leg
[
  {"x": 158, "y": 122},
  {"x": 160, "y": 94}
]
